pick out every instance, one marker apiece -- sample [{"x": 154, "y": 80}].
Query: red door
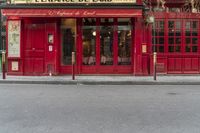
[{"x": 34, "y": 49}]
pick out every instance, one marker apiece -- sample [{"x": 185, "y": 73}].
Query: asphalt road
[{"x": 99, "y": 109}]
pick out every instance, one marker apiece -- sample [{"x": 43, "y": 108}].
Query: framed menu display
[{"x": 14, "y": 27}]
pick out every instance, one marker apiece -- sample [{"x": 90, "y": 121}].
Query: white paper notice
[{"x": 14, "y": 38}]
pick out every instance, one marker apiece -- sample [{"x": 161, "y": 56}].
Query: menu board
[{"x": 14, "y": 27}]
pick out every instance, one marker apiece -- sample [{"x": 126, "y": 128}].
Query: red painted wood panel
[
  {"x": 145, "y": 64},
  {"x": 195, "y": 64},
  {"x": 187, "y": 64},
  {"x": 28, "y": 68},
  {"x": 171, "y": 64},
  {"x": 38, "y": 65},
  {"x": 178, "y": 64}
]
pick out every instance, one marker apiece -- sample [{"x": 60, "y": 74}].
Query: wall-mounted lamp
[{"x": 150, "y": 19}]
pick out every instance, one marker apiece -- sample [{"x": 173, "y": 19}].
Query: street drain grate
[{"x": 172, "y": 93}]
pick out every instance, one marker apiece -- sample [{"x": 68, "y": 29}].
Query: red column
[{"x": 137, "y": 48}]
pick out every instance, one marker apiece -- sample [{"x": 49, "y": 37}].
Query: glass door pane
[
  {"x": 68, "y": 40},
  {"x": 89, "y": 41},
  {"x": 124, "y": 41},
  {"x": 106, "y": 41}
]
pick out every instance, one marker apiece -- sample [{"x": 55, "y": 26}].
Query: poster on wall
[{"x": 14, "y": 38}]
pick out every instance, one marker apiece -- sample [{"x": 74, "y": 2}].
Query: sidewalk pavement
[{"x": 104, "y": 80}]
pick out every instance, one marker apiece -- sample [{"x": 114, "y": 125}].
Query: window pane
[
  {"x": 161, "y": 49},
  {"x": 161, "y": 25},
  {"x": 161, "y": 40},
  {"x": 178, "y": 40},
  {"x": 106, "y": 42},
  {"x": 187, "y": 25},
  {"x": 171, "y": 48},
  {"x": 161, "y": 32},
  {"x": 178, "y": 48},
  {"x": 107, "y": 21},
  {"x": 124, "y": 41},
  {"x": 187, "y": 48},
  {"x": 171, "y": 33},
  {"x": 187, "y": 41},
  {"x": 170, "y": 40},
  {"x": 89, "y": 42},
  {"x": 171, "y": 28},
  {"x": 195, "y": 33},
  {"x": 154, "y": 49},
  {"x": 195, "y": 25},
  {"x": 188, "y": 33},
  {"x": 178, "y": 32},
  {"x": 155, "y": 40},
  {"x": 194, "y": 41},
  {"x": 194, "y": 48},
  {"x": 154, "y": 33},
  {"x": 178, "y": 24},
  {"x": 171, "y": 24}
]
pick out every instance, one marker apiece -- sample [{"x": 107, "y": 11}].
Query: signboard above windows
[{"x": 71, "y": 1}]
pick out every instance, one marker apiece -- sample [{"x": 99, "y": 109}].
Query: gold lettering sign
[{"x": 70, "y": 1}]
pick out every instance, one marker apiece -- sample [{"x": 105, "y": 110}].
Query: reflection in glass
[
  {"x": 68, "y": 32},
  {"x": 195, "y": 24},
  {"x": 106, "y": 42},
  {"x": 187, "y": 33},
  {"x": 124, "y": 41},
  {"x": 194, "y": 40},
  {"x": 187, "y": 25},
  {"x": 89, "y": 41},
  {"x": 178, "y": 24},
  {"x": 161, "y": 25},
  {"x": 161, "y": 48},
  {"x": 171, "y": 48},
  {"x": 194, "y": 48},
  {"x": 178, "y": 32},
  {"x": 187, "y": 48},
  {"x": 187, "y": 40},
  {"x": 161, "y": 40},
  {"x": 170, "y": 40},
  {"x": 178, "y": 48},
  {"x": 194, "y": 33},
  {"x": 178, "y": 40}
]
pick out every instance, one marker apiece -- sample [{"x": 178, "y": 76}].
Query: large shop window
[
  {"x": 182, "y": 36},
  {"x": 89, "y": 41},
  {"x": 124, "y": 41},
  {"x": 191, "y": 36},
  {"x": 158, "y": 36}
]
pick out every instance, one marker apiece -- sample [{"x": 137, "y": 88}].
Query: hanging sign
[
  {"x": 14, "y": 38},
  {"x": 70, "y": 1}
]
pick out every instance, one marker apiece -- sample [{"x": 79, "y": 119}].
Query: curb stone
[{"x": 76, "y": 82}]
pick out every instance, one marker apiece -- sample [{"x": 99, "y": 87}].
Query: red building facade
[{"x": 108, "y": 38}]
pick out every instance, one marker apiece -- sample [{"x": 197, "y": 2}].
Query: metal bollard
[
  {"x": 154, "y": 64},
  {"x": 73, "y": 65},
  {"x": 3, "y": 64}
]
